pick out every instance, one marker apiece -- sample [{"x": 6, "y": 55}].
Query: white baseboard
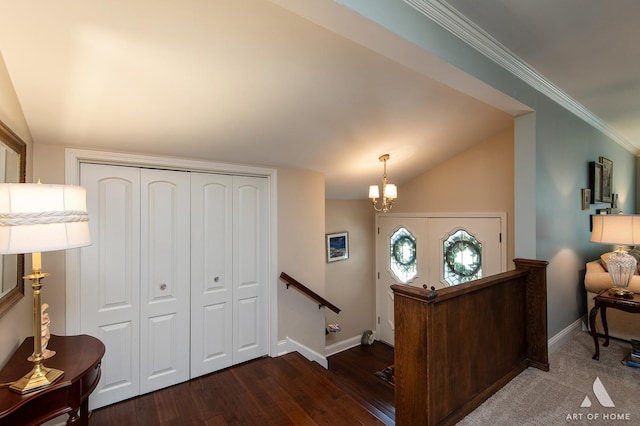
[
  {"x": 343, "y": 345},
  {"x": 290, "y": 345},
  {"x": 565, "y": 335}
]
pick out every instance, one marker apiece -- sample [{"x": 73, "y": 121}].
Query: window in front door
[
  {"x": 402, "y": 252},
  {"x": 462, "y": 258}
]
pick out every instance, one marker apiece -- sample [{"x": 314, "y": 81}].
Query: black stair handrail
[{"x": 310, "y": 293}]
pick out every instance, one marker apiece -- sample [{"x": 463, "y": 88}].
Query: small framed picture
[
  {"x": 607, "y": 179},
  {"x": 586, "y": 198},
  {"x": 337, "y": 246}
]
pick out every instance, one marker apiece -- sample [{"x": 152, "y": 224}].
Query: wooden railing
[
  {"x": 456, "y": 346},
  {"x": 309, "y": 293}
]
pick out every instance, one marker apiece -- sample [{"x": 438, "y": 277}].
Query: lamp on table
[
  {"x": 35, "y": 218},
  {"x": 620, "y": 230}
]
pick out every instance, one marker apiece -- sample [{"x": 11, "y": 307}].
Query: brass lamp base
[
  {"x": 38, "y": 378},
  {"x": 620, "y": 292}
]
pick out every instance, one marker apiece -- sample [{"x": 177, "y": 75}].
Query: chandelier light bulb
[{"x": 374, "y": 191}]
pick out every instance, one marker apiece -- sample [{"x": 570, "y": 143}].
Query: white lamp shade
[
  {"x": 621, "y": 230},
  {"x": 39, "y": 218},
  {"x": 391, "y": 191},
  {"x": 374, "y": 191}
]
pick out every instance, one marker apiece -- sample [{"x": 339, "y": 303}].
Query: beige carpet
[{"x": 558, "y": 397}]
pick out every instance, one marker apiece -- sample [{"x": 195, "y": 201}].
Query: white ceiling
[{"x": 252, "y": 81}]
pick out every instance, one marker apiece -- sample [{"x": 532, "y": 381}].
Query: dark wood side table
[
  {"x": 603, "y": 301},
  {"x": 79, "y": 357}
]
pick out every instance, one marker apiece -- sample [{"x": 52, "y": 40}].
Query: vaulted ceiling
[
  {"x": 588, "y": 49},
  {"x": 275, "y": 83}
]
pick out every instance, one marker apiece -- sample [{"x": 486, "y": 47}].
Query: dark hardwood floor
[
  {"x": 287, "y": 390},
  {"x": 354, "y": 368}
]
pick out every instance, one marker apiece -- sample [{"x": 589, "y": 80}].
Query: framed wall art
[
  {"x": 595, "y": 181},
  {"x": 607, "y": 179},
  {"x": 586, "y": 198},
  {"x": 337, "y": 246}
]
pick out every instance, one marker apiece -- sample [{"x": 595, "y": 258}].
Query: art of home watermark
[{"x": 597, "y": 414}]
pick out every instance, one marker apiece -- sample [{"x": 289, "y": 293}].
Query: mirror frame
[{"x": 13, "y": 141}]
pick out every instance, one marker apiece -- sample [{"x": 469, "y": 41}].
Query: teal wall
[{"x": 549, "y": 178}]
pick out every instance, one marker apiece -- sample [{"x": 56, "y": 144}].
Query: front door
[
  {"x": 433, "y": 251},
  {"x": 401, "y": 258}
]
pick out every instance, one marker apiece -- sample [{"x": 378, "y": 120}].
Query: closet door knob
[
  {"x": 216, "y": 279},
  {"x": 163, "y": 286}
]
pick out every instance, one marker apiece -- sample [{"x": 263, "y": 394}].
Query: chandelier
[{"x": 389, "y": 190}]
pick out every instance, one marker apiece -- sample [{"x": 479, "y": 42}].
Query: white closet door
[
  {"x": 164, "y": 278},
  {"x": 250, "y": 269},
  {"x": 211, "y": 273},
  {"x": 110, "y": 277},
  {"x": 176, "y": 281}
]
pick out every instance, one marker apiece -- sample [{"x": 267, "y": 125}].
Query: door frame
[
  {"x": 503, "y": 230},
  {"x": 73, "y": 159}
]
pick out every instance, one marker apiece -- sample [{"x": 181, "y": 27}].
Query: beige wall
[
  {"x": 461, "y": 185},
  {"x": 48, "y": 166},
  {"x": 10, "y": 109},
  {"x": 16, "y": 324},
  {"x": 301, "y": 219},
  {"x": 350, "y": 282}
]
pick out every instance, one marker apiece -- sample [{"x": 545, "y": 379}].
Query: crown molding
[{"x": 457, "y": 24}]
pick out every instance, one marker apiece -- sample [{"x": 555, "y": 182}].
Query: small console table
[
  {"x": 79, "y": 357},
  {"x": 603, "y": 301}
]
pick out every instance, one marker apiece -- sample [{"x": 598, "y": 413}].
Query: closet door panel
[
  {"x": 250, "y": 269},
  {"x": 110, "y": 272},
  {"x": 118, "y": 372},
  {"x": 165, "y": 278},
  {"x": 211, "y": 273},
  {"x": 248, "y": 326}
]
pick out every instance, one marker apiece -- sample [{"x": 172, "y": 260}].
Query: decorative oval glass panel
[
  {"x": 462, "y": 258},
  {"x": 402, "y": 250}
]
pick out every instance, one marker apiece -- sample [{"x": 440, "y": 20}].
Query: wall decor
[
  {"x": 586, "y": 198},
  {"x": 595, "y": 181},
  {"x": 607, "y": 179},
  {"x": 337, "y": 246}
]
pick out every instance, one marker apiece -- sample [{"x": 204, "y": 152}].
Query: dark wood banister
[{"x": 321, "y": 300}]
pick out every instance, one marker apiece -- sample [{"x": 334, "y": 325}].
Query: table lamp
[
  {"x": 35, "y": 218},
  {"x": 620, "y": 230}
]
